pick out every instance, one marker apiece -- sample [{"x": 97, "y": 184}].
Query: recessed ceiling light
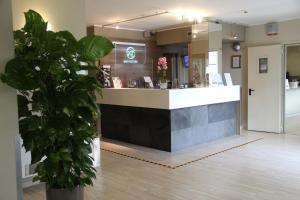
[
  {"x": 244, "y": 11},
  {"x": 117, "y": 27}
]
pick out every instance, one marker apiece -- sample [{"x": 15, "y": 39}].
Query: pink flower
[
  {"x": 162, "y": 67},
  {"x": 162, "y": 61}
]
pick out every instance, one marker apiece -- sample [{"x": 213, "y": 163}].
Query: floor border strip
[{"x": 184, "y": 164}]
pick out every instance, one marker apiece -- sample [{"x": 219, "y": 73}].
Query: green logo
[{"x": 130, "y": 53}]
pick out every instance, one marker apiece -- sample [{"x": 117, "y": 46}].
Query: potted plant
[
  {"x": 162, "y": 68},
  {"x": 57, "y": 108}
]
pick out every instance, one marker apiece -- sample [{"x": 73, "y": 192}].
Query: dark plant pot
[{"x": 65, "y": 194}]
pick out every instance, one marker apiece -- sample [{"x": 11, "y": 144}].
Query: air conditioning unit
[{"x": 272, "y": 29}]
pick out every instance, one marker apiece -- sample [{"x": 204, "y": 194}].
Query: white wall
[
  {"x": 229, "y": 29},
  {"x": 8, "y": 112},
  {"x": 288, "y": 33},
  {"x": 228, "y": 52},
  {"x": 61, "y": 14},
  {"x": 119, "y": 34},
  {"x": 237, "y": 75}
]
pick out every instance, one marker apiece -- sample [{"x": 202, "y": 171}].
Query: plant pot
[
  {"x": 65, "y": 194},
  {"x": 163, "y": 85}
]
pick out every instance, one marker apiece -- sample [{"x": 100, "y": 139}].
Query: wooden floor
[
  {"x": 179, "y": 158},
  {"x": 292, "y": 125},
  {"x": 265, "y": 170}
]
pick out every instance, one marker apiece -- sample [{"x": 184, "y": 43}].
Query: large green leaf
[
  {"x": 20, "y": 40},
  {"x": 35, "y": 23},
  {"x": 32, "y": 17},
  {"x": 69, "y": 38},
  {"x": 19, "y": 75},
  {"x": 23, "y": 106},
  {"x": 95, "y": 47}
]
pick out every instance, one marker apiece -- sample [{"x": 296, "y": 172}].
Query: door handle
[{"x": 250, "y": 91}]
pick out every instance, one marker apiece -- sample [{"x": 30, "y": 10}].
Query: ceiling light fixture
[
  {"x": 188, "y": 15},
  {"x": 136, "y": 18}
]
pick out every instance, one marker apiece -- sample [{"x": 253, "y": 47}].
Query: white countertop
[{"x": 169, "y": 99}]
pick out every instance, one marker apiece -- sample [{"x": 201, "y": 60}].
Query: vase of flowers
[{"x": 162, "y": 71}]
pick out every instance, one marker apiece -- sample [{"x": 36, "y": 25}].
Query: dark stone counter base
[{"x": 170, "y": 130}]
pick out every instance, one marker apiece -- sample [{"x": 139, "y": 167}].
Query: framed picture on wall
[{"x": 236, "y": 61}]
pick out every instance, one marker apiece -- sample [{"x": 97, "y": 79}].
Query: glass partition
[
  {"x": 215, "y": 48},
  {"x": 199, "y": 54}
]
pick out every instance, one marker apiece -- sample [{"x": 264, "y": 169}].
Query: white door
[{"x": 265, "y": 88}]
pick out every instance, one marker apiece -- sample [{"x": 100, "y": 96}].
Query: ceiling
[{"x": 101, "y": 12}]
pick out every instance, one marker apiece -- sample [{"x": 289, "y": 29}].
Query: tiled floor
[
  {"x": 265, "y": 170},
  {"x": 292, "y": 125}
]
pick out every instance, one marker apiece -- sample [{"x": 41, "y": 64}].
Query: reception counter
[{"x": 170, "y": 120}]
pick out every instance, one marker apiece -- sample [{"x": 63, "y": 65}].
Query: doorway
[{"x": 292, "y": 89}]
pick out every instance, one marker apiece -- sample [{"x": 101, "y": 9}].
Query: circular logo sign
[{"x": 130, "y": 53}]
